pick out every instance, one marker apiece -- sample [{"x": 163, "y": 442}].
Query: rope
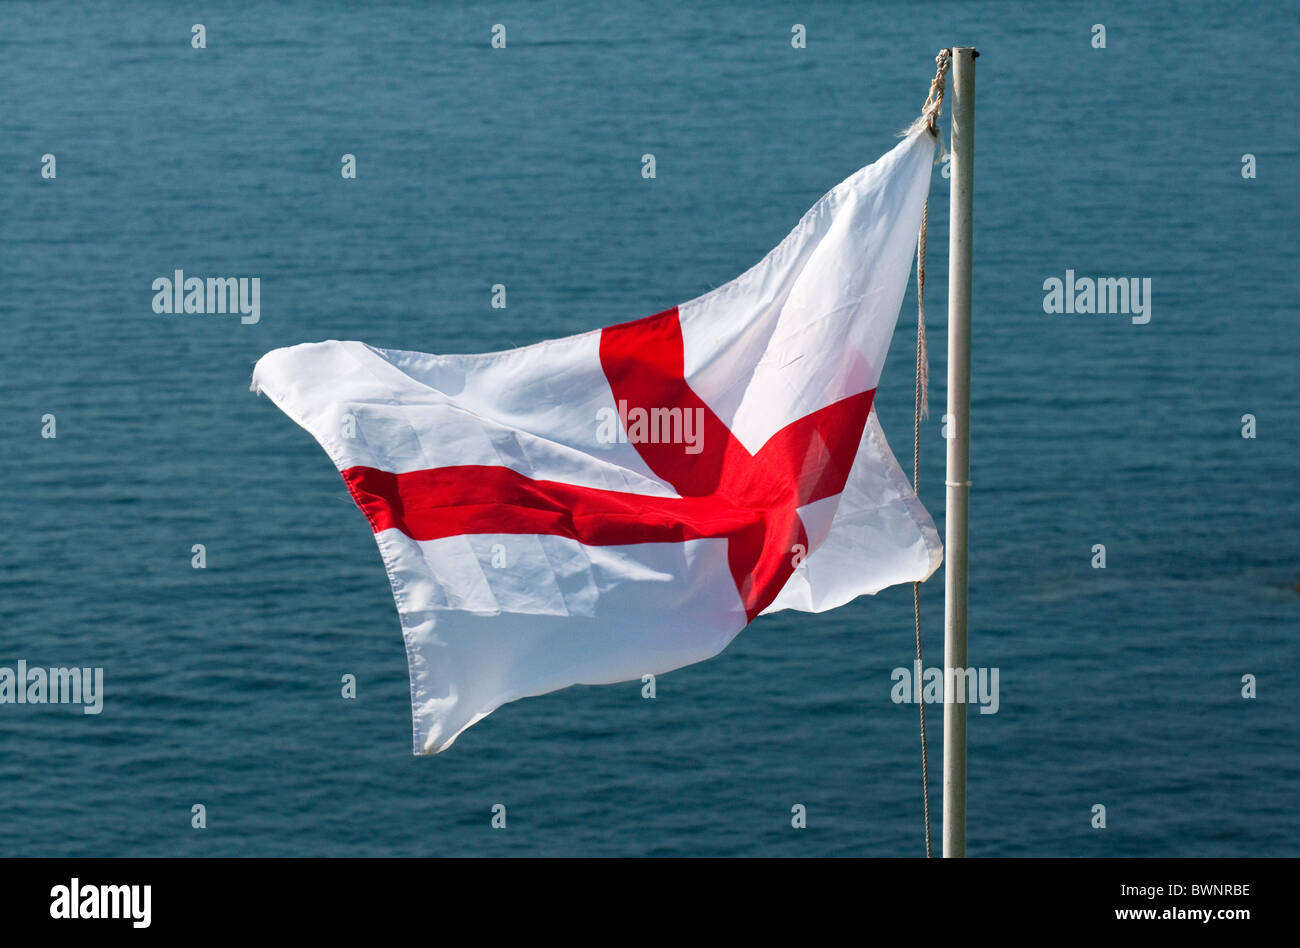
[
  {"x": 930, "y": 116},
  {"x": 934, "y": 101}
]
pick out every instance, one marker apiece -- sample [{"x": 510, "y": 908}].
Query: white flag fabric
[{"x": 623, "y": 502}]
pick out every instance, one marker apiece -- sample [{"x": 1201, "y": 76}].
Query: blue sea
[{"x": 522, "y": 166}]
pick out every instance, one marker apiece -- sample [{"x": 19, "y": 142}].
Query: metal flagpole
[{"x": 958, "y": 469}]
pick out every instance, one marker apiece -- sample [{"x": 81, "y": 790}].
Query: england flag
[{"x": 623, "y": 502}]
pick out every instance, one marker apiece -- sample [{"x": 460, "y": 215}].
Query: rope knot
[{"x": 934, "y": 101}]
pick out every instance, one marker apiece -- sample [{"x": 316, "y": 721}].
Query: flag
[{"x": 623, "y": 502}]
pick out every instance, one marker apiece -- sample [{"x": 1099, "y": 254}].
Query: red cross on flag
[{"x": 623, "y": 502}]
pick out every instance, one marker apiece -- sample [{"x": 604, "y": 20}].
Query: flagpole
[{"x": 958, "y": 467}]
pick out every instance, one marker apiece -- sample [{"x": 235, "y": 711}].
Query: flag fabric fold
[{"x": 623, "y": 502}]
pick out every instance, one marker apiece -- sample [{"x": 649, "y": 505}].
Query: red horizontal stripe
[
  {"x": 751, "y": 500},
  {"x": 468, "y": 499}
]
